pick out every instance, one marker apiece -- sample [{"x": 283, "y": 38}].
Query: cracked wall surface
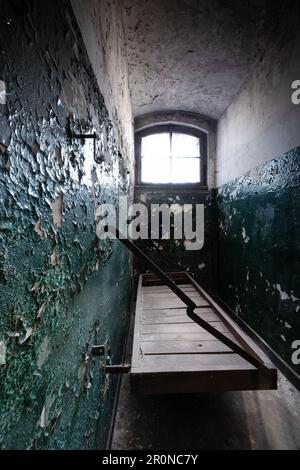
[
  {"x": 259, "y": 250},
  {"x": 61, "y": 289}
]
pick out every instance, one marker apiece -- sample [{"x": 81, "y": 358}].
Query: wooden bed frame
[
  {"x": 177, "y": 350},
  {"x": 183, "y": 340}
]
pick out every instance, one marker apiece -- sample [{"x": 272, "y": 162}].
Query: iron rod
[{"x": 191, "y": 306}]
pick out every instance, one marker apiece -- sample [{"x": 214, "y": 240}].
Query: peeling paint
[
  {"x": 244, "y": 235},
  {"x": 263, "y": 263},
  {"x": 2, "y": 92},
  {"x": 283, "y": 295},
  {"x": 2, "y": 353},
  {"x": 57, "y": 280},
  {"x": 39, "y": 230},
  {"x": 43, "y": 352},
  {"x": 57, "y": 211}
]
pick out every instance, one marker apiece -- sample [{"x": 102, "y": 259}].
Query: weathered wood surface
[{"x": 173, "y": 354}]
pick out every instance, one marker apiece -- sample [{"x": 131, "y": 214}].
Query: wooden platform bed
[{"x": 174, "y": 354}]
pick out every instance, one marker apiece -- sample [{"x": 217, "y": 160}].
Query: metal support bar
[
  {"x": 163, "y": 276},
  {"x": 191, "y": 306}
]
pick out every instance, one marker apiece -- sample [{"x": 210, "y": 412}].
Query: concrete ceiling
[{"x": 190, "y": 55}]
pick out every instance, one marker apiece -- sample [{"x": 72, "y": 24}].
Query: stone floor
[{"x": 231, "y": 420}]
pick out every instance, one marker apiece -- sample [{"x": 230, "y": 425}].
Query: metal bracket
[{"x": 83, "y": 136}]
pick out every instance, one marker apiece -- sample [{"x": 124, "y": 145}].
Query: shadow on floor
[{"x": 231, "y": 420}]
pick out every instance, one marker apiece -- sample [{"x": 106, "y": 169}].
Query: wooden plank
[
  {"x": 167, "y": 316},
  {"x": 172, "y": 354},
  {"x": 174, "y": 276},
  {"x": 162, "y": 289},
  {"x": 183, "y": 347},
  {"x": 170, "y": 295},
  {"x": 158, "y": 320},
  {"x": 190, "y": 362},
  {"x": 168, "y": 291},
  {"x": 137, "y": 337},
  {"x": 181, "y": 337},
  {"x": 182, "y": 328},
  {"x": 178, "y": 312},
  {"x": 155, "y": 282}
]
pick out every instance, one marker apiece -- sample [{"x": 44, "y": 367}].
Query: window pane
[
  {"x": 184, "y": 145},
  {"x": 186, "y": 170},
  {"x": 156, "y": 146},
  {"x": 156, "y": 170}
]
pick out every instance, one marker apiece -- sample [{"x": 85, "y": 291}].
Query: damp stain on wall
[
  {"x": 259, "y": 250},
  {"x": 61, "y": 289}
]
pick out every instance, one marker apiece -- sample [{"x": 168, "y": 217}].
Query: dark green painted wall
[
  {"x": 259, "y": 250},
  {"x": 60, "y": 288}
]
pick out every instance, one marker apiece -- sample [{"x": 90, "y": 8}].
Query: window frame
[{"x": 171, "y": 128}]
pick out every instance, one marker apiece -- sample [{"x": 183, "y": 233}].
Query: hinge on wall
[{"x": 98, "y": 350}]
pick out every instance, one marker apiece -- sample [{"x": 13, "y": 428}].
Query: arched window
[{"x": 171, "y": 155}]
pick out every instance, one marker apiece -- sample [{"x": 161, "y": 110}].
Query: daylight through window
[{"x": 170, "y": 157}]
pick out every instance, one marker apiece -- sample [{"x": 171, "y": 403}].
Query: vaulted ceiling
[{"x": 191, "y": 55}]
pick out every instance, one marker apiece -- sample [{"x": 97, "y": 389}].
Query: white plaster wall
[
  {"x": 101, "y": 26},
  {"x": 262, "y": 123}
]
